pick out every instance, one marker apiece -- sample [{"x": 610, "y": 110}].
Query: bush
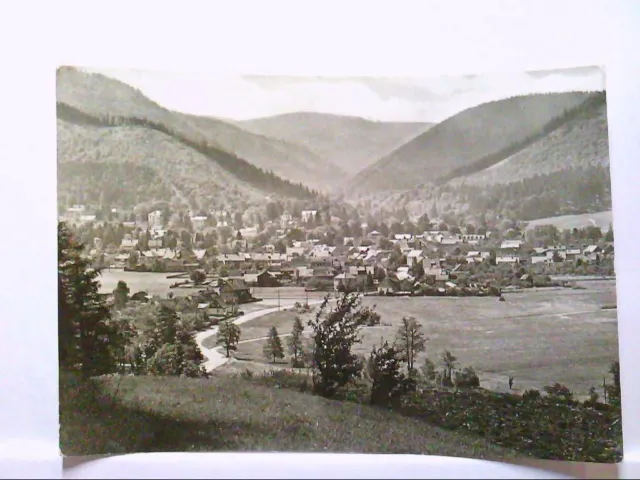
[
  {"x": 557, "y": 390},
  {"x": 467, "y": 378},
  {"x": 389, "y": 383},
  {"x": 531, "y": 395}
]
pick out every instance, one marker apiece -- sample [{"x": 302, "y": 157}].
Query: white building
[
  {"x": 155, "y": 219},
  {"x": 308, "y": 214}
]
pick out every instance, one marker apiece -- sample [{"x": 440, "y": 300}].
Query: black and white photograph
[{"x": 380, "y": 265}]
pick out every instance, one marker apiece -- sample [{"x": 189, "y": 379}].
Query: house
[
  {"x": 232, "y": 260},
  {"x": 527, "y": 279},
  {"x": 592, "y": 253},
  {"x": 389, "y": 285},
  {"x": 510, "y": 259},
  {"x": 414, "y": 257},
  {"x": 251, "y": 232},
  {"x": 128, "y": 243},
  {"x": 511, "y": 244},
  {"x": 155, "y": 243},
  {"x": 540, "y": 259},
  {"x": 295, "y": 251},
  {"x": 155, "y": 219},
  {"x": 323, "y": 273},
  {"x": 234, "y": 291},
  {"x": 344, "y": 280},
  {"x": 433, "y": 268},
  {"x": 402, "y": 236},
  {"x": 307, "y": 215},
  {"x": 403, "y": 274},
  {"x": 473, "y": 238},
  {"x": 260, "y": 279},
  {"x": 448, "y": 240},
  {"x": 474, "y": 257},
  {"x": 374, "y": 236}
]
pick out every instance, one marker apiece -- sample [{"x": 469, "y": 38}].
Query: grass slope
[
  {"x": 470, "y": 136},
  {"x": 564, "y": 222},
  {"x": 155, "y": 414},
  {"x": 351, "y": 142},
  {"x": 99, "y": 96},
  {"x": 580, "y": 142}
]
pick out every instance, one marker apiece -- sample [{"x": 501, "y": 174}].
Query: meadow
[
  {"x": 537, "y": 336},
  {"x": 569, "y": 222},
  {"x": 113, "y": 415}
]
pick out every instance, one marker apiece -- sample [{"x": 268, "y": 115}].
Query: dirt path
[{"x": 215, "y": 357}]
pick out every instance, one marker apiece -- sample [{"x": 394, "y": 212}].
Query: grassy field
[
  {"x": 569, "y": 222},
  {"x": 540, "y": 336},
  {"x": 155, "y": 414}
]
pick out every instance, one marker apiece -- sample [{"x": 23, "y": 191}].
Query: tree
[
  {"x": 417, "y": 270},
  {"x": 384, "y": 368},
  {"x": 198, "y": 277},
  {"x": 228, "y": 336},
  {"x": 608, "y": 237},
  {"x": 450, "y": 362},
  {"x": 294, "y": 342},
  {"x": 273, "y": 349},
  {"x": 428, "y": 371},
  {"x": 171, "y": 348},
  {"x": 121, "y": 294},
  {"x": 613, "y": 391},
  {"x": 86, "y": 338},
  {"x": 335, "y": 332},
  {"x": 411, "y": 339},
  {"x": 423, "y": 223}
]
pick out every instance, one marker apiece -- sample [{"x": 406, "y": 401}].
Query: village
[{"x": 441, "y": 261}]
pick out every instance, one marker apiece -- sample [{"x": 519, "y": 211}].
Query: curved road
[{"x": 215, "y": 357}]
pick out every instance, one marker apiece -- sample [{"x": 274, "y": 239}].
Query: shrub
[
  {"x": 467, "y": 378},
  {"x": 389, "y": 383},
  {"x": 531, "y": 395},
  {"x": 558, "y": 390}
]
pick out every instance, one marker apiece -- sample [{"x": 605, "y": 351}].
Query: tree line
[{"x": 242, "y": 169}]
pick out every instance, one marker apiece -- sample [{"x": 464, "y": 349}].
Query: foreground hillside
[
  {"x": 580, "y": 142},
  {"x": 127, "y": 166},
  {"x": 105, "y": 98},
  {"x": 482, "y": 136},
  {"x": 351, "y": 142},
  {"x": 224, "y": 413}
]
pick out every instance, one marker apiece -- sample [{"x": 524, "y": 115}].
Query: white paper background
[{"x": 274, "y": 37}]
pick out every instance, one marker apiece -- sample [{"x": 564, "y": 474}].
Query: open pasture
[{"x": 537, "y": 336}]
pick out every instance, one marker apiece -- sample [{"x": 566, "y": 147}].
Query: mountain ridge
[
  {"x": 104, "y": 97},
  {"x": 349, "y": 141},
  {"x": 477, "y": 133}
]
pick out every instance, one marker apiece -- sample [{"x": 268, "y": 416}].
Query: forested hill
[
  {"x": 470, "y": 140},
  {"x": 243, "y": 170}
]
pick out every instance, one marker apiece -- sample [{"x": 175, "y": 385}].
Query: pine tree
[
  {"x": 273, "y": 349},
  {"x": 294, "y": 342},
  {"x": 86, "y": 339}
]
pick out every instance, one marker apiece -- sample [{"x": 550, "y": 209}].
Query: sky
[{"x": 373, "y": 98}]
